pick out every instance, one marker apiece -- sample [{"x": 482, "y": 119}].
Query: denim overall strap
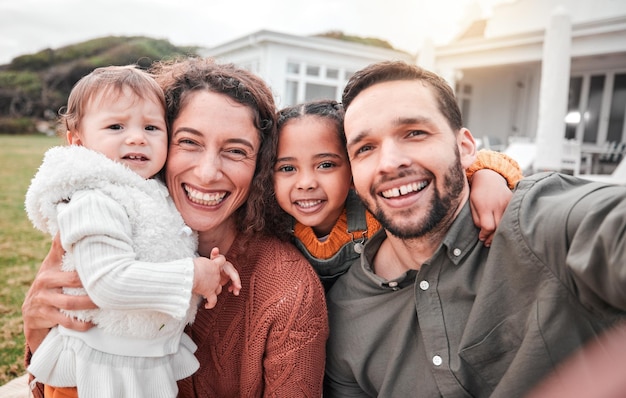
[{"x": 356, "y": 213}]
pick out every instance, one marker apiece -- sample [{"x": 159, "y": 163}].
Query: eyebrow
[
  {"x": 360, "y": 137},
  {"x": 400, "y": 121},
  {"x": 317, "y": 156},
  {"x": 196, "y": 133}
]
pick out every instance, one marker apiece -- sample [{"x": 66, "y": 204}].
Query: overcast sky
[{"x": 28, "y": 26}]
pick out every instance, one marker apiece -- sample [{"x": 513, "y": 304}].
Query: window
[
  {"x": 591, "y": 116},
  {"x": 319, "y": 91},
  {"x": 291, "y": 95},
  {"x": 332, "y": 73},
  {"x": 312, "y": 70},
  {"x": 618, "y": 109},
  {"x": 573, "y": 107},
  {"x": 464, "y": 98},
  {"x": 293, "y": 68},
  {"x": 308, "y": 82},
  {"x": 596, "y": 108}
]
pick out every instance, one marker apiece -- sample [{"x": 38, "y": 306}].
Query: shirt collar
[
  {"x": 457, "y": 243},
  {"x": 461, "y": 236}
]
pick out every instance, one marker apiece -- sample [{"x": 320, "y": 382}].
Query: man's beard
[{"x": 442, "y": 207}]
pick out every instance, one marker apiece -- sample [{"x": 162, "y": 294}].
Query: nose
[
  {"x": 209, "y": 167},
  {"x": 392, "y": 156},
  {"x": 136, "y": 136},
  {"x": 306, "y": 180}
]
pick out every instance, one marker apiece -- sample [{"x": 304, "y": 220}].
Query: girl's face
[
  {"x": 125, "y": 128},
  {"x": 211, "y": 160},
  {"x": 312, "y": 174}
]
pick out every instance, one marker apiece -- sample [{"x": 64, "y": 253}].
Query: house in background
[
  {"x": 301, "y": 68},
  {"x": 543, "y": 70},
  {"x": 535, "y": 70}
]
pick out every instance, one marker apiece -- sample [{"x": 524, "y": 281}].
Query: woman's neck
[{"x": 221, "y": 237}]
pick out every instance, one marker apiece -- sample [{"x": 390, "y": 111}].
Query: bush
[{"x": 15, "y": 126}]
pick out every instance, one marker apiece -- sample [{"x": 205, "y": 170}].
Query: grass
[{"x": 22, "y": 247}]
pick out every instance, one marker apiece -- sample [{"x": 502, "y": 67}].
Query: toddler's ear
[{"x": 73, "y": 138}]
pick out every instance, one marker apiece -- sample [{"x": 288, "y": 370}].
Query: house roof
[{"x": 261, "y": 37}]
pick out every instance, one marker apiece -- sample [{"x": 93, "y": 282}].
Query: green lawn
[{"x": 22, "y": 247}]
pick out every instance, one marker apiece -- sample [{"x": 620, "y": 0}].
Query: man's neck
[{"x": 396, "y": 255}]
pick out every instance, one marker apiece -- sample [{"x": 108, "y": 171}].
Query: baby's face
[
  {"x": 127, "y": 129},
  {"x": 312, "y": 174}
]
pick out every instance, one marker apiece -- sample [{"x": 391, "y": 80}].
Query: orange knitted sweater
[{"x": 338, "y": 236}]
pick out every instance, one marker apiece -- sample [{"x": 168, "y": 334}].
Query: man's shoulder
[{"x": 544, "y": 191}]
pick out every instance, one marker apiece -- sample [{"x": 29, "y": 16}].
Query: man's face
[{"x": 407, "y": 163}]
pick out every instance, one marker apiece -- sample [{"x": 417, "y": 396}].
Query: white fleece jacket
[{"x": 123, "y": 235}]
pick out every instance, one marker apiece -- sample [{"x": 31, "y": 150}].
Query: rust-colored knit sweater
[{"x": 270, "y": 340}]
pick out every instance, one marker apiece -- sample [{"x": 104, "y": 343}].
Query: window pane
[
  {"x": 618, "y": 107},
  {"x": 592, "y": 114},
  {"x": 319, "y": 91},
  {"x": 465, "y": 108},
  {"x": 312, "y": 70},
  {"x": 332, "y": 73},
  {"x": 292, "y": 67},
  {"x": 572, "y": 119},
  {"x": 291, "y": 94}
]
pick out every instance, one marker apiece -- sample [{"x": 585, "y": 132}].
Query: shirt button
[
  {"x": 393, "y": 284},
  {"x": 437, "y": 361},
  {"x": 456, "y": 252},
  {"x": 424, "y": 285}
]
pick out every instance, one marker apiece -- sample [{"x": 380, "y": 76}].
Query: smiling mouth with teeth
[
  {"x": 135, "y": 157},
  {"x": 404, "y": 189},
  {"x": 308, "y": 203},
  {"x": 203, "y": 198}
]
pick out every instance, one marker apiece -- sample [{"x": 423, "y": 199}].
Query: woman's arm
[{"x": 45, "y": 299}]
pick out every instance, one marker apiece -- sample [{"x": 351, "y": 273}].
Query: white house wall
[
  {"x": 529, "y": 15},
  {"x": 499, "y": 106},
  {"x": 511, "y": 51},
  {"x": 268, "y": 53}
]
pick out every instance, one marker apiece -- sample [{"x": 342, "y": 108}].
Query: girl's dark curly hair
[
  {"x": 329, "y": 110},
  {"x": 180, "y": 77}
]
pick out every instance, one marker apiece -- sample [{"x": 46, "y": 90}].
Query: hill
[{"x": 34, "y": 87}]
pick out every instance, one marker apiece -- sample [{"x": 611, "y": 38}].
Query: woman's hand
[{"x": 40, "y": 310}]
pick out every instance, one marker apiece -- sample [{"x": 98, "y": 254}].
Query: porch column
[
  {"x": 555, "y": 74},
  {"x": 426, "y": 56},
  {"x": 450, "y": 75}
]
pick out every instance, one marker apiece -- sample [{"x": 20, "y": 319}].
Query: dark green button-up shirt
[{"x": 485, "y": 322}]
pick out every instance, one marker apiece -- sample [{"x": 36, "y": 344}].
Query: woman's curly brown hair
[{"x": 180, "y": 77}]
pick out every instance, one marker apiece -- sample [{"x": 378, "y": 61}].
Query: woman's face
[{"x": 211, "y": 160}]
